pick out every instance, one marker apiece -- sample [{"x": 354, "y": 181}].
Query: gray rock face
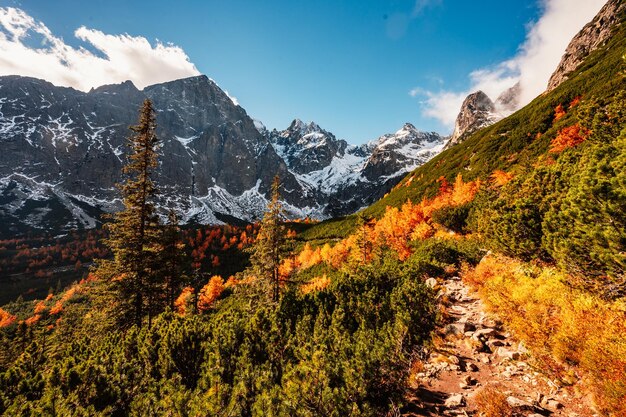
[
  {"x": 593, "y": 35},
  {"x": 306, "y": 147},
  {"x": 508, "y": 101},
  {"x": 476, "y": 112},
  {"x": 345, "y": 178},
  {"x": 63, "y": 150}
]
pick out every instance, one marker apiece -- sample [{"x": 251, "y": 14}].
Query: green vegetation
[
  {"x": 344, "y": 350},
  {"x": 333, "y": 328}
]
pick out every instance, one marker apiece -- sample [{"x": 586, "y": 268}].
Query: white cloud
[
  {"x": 536, "y": 60},
  {"x": 420, "y": 5},
  {"x": 116, "y": 58}
]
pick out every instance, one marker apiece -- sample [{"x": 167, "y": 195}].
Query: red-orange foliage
[
  {"x": 559, "y": 112},
  {"x": 569, "y": 137},
  {"x": 58, "y": 306},
  {"x": 286, "y": 267},
  {"x": 413, "y": 221},
  {"x": 40, "y": 307},
  {"x": 575, "y": 102},
  {"x": 501, "y": 178},
  {"x": 231, "y": 282},
  {"x": 395, "y": 229},
  {"x": 210, "y": 293},
  {"x": 6, "y": 318},
  {"x": 183, "y": 302},
  {"x": 32, "y": 320}
]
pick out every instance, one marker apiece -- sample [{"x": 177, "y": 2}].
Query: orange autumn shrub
[
  {"x": 316, "y": 284},
  {"x": 501, "y": 178},
  {"x": 559, "y": 112},
  {"x": 210, "y": 293},
  {"x": 309, "y": 257},
  {"x": 58, "y": 306},
  {"x": 423, "y": 231},
  {"x": 183, "y": 303},
  {"x": 490, "y": 401},
  {"x": 231, "y": 282},
  {"x": 32, "y": 320},
  {"x": 40, "y": 307},
  {"x": 568, "y": 137},
  {"x": 6, "y": 318},
  {"x": 396, "y": 229},
  {"x": 574, "y": 334},
  {"x": 287, "y": 267}
]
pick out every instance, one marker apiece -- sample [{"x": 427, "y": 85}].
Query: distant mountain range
[{"x": 63, "y": 149}]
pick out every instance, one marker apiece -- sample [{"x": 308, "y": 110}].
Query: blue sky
[{"x": 348, "y": 65}]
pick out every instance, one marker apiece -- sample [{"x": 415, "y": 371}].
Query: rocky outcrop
[
  {"x": 593, "y": 35},
  {"x": 477, "y": 111},
  {"x": 508, "y": 101}
]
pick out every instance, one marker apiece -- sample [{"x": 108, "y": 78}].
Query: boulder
[{"x": 455, "y": 401}]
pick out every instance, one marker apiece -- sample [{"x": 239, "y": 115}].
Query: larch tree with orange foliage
[
  {"x": 501, "y": 178},
  {"x": 559, "y": 112},
  {"x": 269, "y": 247},
  {"x": 6, "y": 318},
  {"x": 210, "y": 293}
]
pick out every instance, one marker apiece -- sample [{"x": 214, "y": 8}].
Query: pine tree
[
  {"x": 270, "y": 244},
  {"x": 173, "y": 260},
  {"x": 134, "y": 232}
]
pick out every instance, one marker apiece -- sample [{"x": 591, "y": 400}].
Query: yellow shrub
[
  {"x": 491, "y": 402},
  {"x": 570, "y": 331}
]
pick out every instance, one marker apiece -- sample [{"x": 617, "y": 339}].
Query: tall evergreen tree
[
  {"x": 269, "y": 248},
  {"x": 173, "y": 260},
  {"x": 134, "y": 232}
]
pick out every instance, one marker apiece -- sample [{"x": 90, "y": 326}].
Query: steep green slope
[{"x": 514, "y": 144}]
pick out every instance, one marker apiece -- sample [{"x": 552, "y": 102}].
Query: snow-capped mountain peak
[{"x": 63, "y": 151}]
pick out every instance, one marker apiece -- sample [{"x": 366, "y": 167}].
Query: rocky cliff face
[
  {"x": 592, "y": 36},
  {"x": 63, "y": 151},
  {"x": 345, "y": 178},
  {"x": 477, "y": 111}
]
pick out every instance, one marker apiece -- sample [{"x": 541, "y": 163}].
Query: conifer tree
[
  {"x": 173, "y": 260},
  {"x": 134, "y": 232},
  {"x": 269, "y": 246}
]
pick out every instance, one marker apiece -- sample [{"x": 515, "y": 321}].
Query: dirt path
[{"x": 475, "y": 353}]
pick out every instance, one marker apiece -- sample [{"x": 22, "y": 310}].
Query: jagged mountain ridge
[
  {"x": 64, "y": 149},
  {"x": 339, "y": 171}
]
